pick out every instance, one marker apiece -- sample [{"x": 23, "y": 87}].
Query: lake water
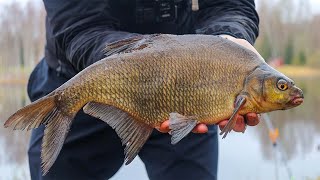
[{"x": 242, "y": 156}]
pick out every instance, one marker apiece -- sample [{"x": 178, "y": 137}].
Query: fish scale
[
  {"x": 146, "y": 80},
  {"x": 181, "y": 75}
]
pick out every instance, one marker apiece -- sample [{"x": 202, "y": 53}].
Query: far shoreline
[{"x": 299, "y": 71}]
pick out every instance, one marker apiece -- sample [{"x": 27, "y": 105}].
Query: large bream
[{"x": 187, "y": 79}]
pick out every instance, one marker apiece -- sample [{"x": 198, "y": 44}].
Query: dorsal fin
[
  {"x": 133, "y": 133},
  {"x": 129, "y": 44}
]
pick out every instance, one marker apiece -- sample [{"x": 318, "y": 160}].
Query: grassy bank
[
  {"x": 14, "y": 81},
  {"x": 14, "y": 76},
  {"x": 299, "y": 71}
]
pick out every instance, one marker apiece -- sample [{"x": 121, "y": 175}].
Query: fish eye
[{"x": 282, "y": 84}]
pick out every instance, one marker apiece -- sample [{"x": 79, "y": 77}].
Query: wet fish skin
[
  {"x": 169, "y": 78},
  {"x": 186, "y": 79}
]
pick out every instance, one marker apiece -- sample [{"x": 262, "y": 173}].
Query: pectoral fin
[
  {"x": 133, "y": 133},
  {"x": 180, "y": 126},
  {"x": 232, "y": 121}
]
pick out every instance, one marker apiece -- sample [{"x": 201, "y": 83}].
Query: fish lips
[{"x": 295, "y": 101}]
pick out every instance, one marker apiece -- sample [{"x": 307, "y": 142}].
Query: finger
[
  {"x": 245, "y": 44},
  {"x": 164, "y": 127},
  {"x": 252, "y": 119},
  {"x": 222, "y": 124},
  {"x": 200, "y": 128},
  {"x": 240, "y": 125},
  {"x": 241, "y": 42}
]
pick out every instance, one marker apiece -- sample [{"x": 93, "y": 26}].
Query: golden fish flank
[{"x": 186, "y": 79}]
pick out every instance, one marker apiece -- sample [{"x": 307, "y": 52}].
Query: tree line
[
  {"x": 289, "y": 31},
  {"x": 22, "y": 37}
]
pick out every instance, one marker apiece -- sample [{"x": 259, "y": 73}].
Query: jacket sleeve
[
  {"x": 80, "y": 30},
  {"x": 237, "y": 18}
]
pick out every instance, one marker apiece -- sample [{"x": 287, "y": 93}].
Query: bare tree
[{"x": 22, "y": 35}]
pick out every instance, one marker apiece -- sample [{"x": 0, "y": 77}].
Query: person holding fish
[{"x": 79, "y": 33}]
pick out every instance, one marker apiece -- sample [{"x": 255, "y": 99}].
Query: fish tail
[
  {"x": 32, "y": 115},
  {"x": 44, "y": 111}
]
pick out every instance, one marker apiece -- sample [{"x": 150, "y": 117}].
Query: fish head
[
  {"x": 281, "y": 92},
  {"x": 269, "y": 90}
]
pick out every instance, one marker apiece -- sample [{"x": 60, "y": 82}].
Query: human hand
[
  {"x": 241, "y": 42},
  {"x": 200, "y": 128},
  {"x": 250, "y": 119}
]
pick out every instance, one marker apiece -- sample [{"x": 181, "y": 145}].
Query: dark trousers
[{"x": 92, "y": 149}]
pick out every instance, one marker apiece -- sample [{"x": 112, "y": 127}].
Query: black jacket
[{"x": 78, "y": 30}]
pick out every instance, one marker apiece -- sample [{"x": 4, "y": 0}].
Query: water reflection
[
  {"x": 13, "y": 159},
  {"x": 299, "y": 135}
]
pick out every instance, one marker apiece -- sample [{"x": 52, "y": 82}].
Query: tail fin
[
  {"x": 31, "y": 116},
  {"x": 44, "y": 111}
]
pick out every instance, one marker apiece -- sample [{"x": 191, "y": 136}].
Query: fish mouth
[
  {"x": 296, "y": 98},
  {"x": 296, "y": 101}
]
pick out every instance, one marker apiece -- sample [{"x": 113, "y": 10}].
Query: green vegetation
[
  {"x": 291, "y": 34},
  {"x": 288, "y": 55},
  {"x": 302, "y": 58}
]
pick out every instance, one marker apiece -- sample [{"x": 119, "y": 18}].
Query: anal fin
[
  {"x": 133, "y": 134},
  {"x": 180, "y": 126}
]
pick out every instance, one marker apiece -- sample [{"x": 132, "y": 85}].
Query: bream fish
[{"x": 146, "y": 80}]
